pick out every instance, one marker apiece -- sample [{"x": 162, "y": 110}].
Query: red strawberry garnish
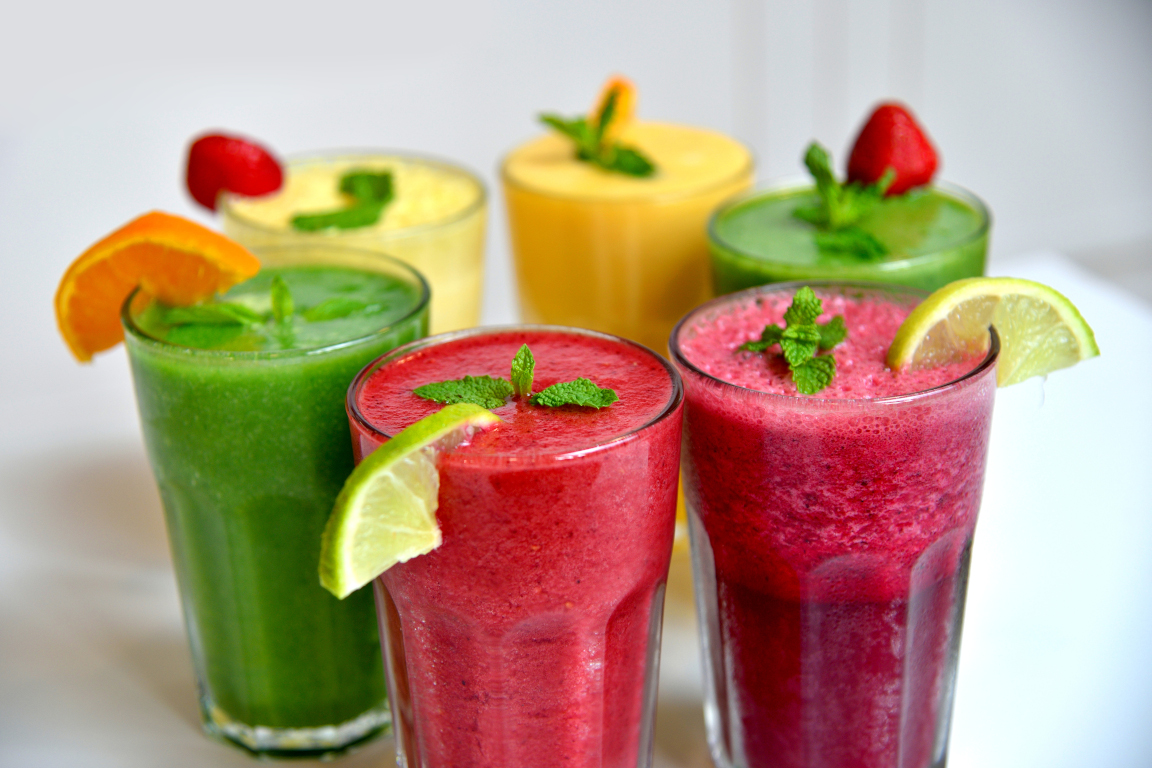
[
  {"x": 892, "y": 139},
  {"x": 217, "y": 162}
]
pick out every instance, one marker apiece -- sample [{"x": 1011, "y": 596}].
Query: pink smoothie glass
[
  {"x": 830, "y": 536},
  {"x": 530, "y": 638}
]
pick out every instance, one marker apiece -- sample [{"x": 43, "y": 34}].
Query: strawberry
[
  {"x": 217, "y": 162},
  {"x": 892, "y": 139}
]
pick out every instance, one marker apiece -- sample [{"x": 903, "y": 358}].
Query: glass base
[{"x": 317, "y": 741}]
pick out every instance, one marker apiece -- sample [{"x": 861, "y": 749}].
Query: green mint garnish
[
  {"x": 591, "y": 146},
  {"x": 333, "y": 309},
  {"x": 814, "y": 374},
  {"x": 523, "y": 366},
  {"x": 224, "y": 313},
  {"x": 841, "y": 206},
  {"x": 579, "y": 392},
  {"x": 852, "y": 240},
  {"x": 800, "y": 340},
  {"x": 282, "y": 304},
  {"x": 370, "y": 191},
  {"x": 483, "y": 391},
  {"x": 490, "y": 392},
  {"x": 832, "y": 332}
]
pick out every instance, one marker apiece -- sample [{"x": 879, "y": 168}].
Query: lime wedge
[
  {"x": 1040, "y": 331},
  {"x": 386, "y": 513}
]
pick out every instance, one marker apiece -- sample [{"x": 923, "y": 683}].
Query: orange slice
[
  {"x": 625, "y": 111},
  {"x": 168, "y": 257}
]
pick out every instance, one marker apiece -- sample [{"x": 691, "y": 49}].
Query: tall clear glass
[
  {"x": 250, "y": 450},
  {"x": 435, "y": 223},
  {"x": 830, "y": 544},
  {"x": 530, "y": 638}
]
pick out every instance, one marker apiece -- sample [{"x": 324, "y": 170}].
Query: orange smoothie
[{"x": 616, "y": 253}]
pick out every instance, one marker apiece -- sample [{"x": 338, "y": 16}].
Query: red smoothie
[
  {"x": 531, "y": 636},
  {"x": 831, "y": 535}
]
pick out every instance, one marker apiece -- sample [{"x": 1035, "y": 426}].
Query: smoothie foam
[
  {"x": 831, "y": 537},
  {"x": 530, "y": 637}
]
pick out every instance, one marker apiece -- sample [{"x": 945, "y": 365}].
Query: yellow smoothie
[
  {"x": 435, "y": 222},
  {"x": 616, "y": 253}
]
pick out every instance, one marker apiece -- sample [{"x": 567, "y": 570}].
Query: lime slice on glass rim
[
  {"x": 1040, "y": 330},
  {"x": 386, "y": 513}
]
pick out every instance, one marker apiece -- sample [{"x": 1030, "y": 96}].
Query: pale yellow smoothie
[
  {"x": 435, "y": 222},
  {"x": 616, "y": 253}
]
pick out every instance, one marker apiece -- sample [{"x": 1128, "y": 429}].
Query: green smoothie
[
  {"x": 933, "y": 236},
  {"x": 242, "y": 406}
]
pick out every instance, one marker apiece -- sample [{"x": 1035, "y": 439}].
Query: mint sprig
[
  {"x": 801, "y": 339},
  {"x": 841, "y": 206},
  {"x": 370, "y": 192},
  {"x": 491, "y": 392},
  {"x": 591, "y": 146}
]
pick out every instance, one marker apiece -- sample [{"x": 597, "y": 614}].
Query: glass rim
[
  {"x": 747, "y": 167},
  {"x": 227, "y": 207},
  {"x": 797, "y": 183},
  {"x": 128, "y": 323},
  {"x": 988, "y": 361},
  {"x": 675, "y": 399}
]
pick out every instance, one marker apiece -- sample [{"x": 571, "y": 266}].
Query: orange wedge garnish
[
  {"x": 625, "y": 111},
  {"x": 175, "y": 260}
]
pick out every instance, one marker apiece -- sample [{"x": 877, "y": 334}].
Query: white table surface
[{"x": 1055, "y": 668}]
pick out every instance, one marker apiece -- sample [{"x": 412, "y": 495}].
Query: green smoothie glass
[
  {"x": 934, "y": 235},
  {"x": 248, "y": 439}
]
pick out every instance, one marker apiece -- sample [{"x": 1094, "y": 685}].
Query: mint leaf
[
  {"x": 805, "y": 308},
  {"x": 367, "y": 186},
  {"x": 604, "y": 118},
  {"x": 579, "y": 392},
  {"x": 800, "y": 340},
  {"x": 852, "y": 240},
  {"x": 222, "y": 313},
  {"x": 576, "y": 129},
  {"x": 362, "y": 215},
  {"x": 627, "y": 160},
  {"x": 370, "y": 191},
  {"x": 771, "y": 335},
  {"x": 832, "y": 332},
  {"x": 484, "y": 391},
  {"x": 282, "y": 304},
  {"x": 523, "y": 366},
  {"x": 814, "y": 374},
  {"x": 333, "y": 309},
  {"x": 799, "y": 343}
]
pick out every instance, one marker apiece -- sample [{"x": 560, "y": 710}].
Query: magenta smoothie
[
  {"x": 831, "y": 535},
  {"x": 530, "y": 637}
]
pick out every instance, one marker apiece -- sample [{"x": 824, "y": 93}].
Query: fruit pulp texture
[
  {"x": 249, "y": 452},
  {"x": 435, "y": 223},
  {"x": 530, "y": 637},
  {"x": 831, "y": 537},
  {"x": 616, "y": 253},
  {"x": 932, "y": 237}
]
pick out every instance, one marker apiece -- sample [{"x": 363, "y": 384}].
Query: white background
[{"x": 1043, "y": 108}]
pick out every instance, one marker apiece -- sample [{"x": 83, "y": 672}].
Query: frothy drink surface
[
  {"x": 832, "y": 538},
  {"x": 525, "y": 639}
]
